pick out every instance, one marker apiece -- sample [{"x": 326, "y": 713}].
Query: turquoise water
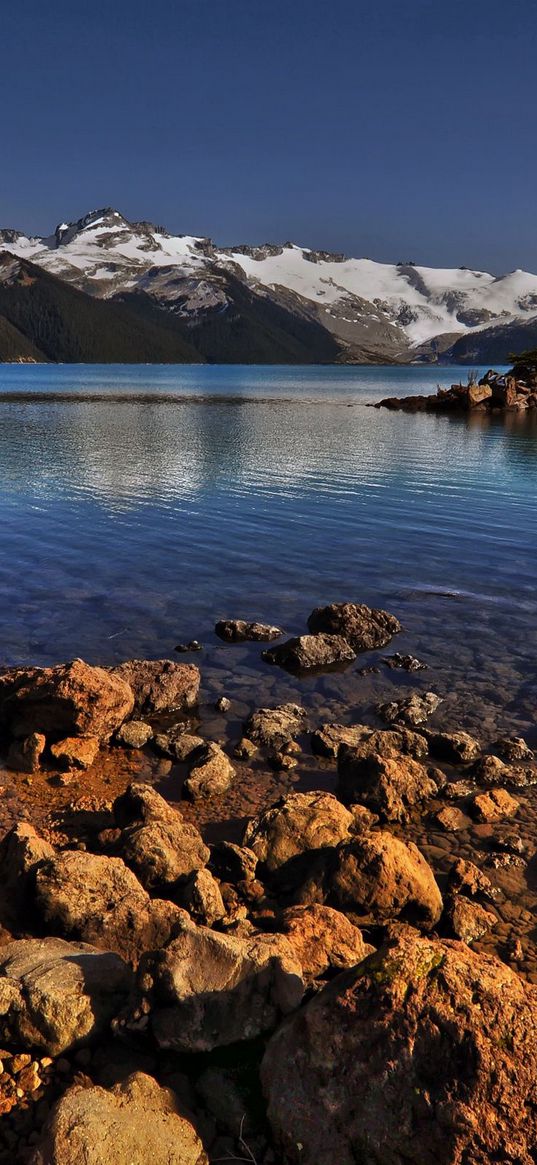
[{"x": 139, "y": 504}]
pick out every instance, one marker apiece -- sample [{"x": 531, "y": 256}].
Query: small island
[{"x": 512, "y": 391}]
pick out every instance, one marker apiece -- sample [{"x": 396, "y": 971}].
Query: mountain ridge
[{"x": 280, "y": 302}]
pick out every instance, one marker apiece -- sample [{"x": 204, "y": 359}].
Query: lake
[{"x": 139, "y": 504}]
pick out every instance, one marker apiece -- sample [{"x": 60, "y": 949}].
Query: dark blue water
[{"x": 139, "y": 504}]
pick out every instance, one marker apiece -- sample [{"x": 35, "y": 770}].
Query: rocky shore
[
  {"x": 495, "y": 392},
  {"x": 206, "y": 955}
]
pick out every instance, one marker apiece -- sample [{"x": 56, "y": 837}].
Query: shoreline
[{"x": 129, "y": 784}]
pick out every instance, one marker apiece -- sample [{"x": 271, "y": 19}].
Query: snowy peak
[{"x": 389, "y": 308}]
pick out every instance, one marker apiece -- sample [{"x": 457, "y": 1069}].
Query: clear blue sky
[{"x": 390, "y": 129}]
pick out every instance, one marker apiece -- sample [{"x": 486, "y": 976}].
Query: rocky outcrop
[
  {"x": 156, "y": 842},
  {"x": 310, "y": 652},
  {"x": 72, "y": 699},
  {"x": 409, "y": 1057},
  {"x": 97, "y": 899},
  {"x": 295, "y": 825},
  {"x": 160, "y": 685},
  {"x": 56, "y": 995},
  {"x": 135, "y": 1123},
  {"x": 493, "y": 392},
  {"x": 363, "y": 627},
  {"x": 206, "y": 990},
  {"x": 390, "y": 786},
  {"x": 273, "y": 728},
  {"x": 239, "y": 631}
]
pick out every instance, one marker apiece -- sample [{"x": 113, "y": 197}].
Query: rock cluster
[{"x": 495, "y": 392}]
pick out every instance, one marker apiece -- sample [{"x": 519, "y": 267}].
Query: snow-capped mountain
[{"x": 372, "y": 311}]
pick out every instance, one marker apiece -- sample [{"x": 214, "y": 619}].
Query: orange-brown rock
[
  {"x": 323, "y": 939},
  {"x": 494, "y": 805},
  {"x": 160, "y": 685},
  {"x": 75, "y": 752},
  {"x": 363, "y": 627},
  {"x": 72, "y": 699},
  {"x": 390, "y": 786},
  {"x": 25, "y": 755},
  {"x": 424, "y": 1053}
]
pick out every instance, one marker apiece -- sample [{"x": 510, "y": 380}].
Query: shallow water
[{"x": 139, "y": 504}]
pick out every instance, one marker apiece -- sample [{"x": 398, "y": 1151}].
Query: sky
[{"x": 398, "y": 131}]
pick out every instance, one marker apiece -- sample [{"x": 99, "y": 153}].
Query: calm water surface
[{"x": 139, "y": 504}]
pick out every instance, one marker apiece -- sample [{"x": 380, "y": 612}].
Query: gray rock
[
  {"x": 363, "y": 627},
  {"x": 411, "y": 710},
  {"x": 57, "y": 995},
  {"x": 135, "y": 1123},
  {"x": 310, "y": 652},
  {"x": 210, "y": 773},
  {"x": 273, "y": 728},
  {"x": 135, "y": 734},
  {"x": 239, "y": 631},
  {"x": 160, "y": 685},
  {"x": 206, "y": 990}
]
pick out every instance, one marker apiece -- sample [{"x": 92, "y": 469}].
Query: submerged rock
[
  {"x": 239, "y": 631},
  {"x": 405, "y": 662},
  {"x": 134, "y": 1123},
  {"x": 308, "y": 652},
  {"x": 424, "y": 1053},
  {"x": 412, "y": 710},
  {"x": 363, "y": 627},
  {"x": 56, "y": 995}
]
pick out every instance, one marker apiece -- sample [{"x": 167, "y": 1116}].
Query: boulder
[
  {"x": 233, "y": 863},
  {"x": 296, "y": 824},
  {"x": 377, "y": 877},
  {"x": 97, "y": 899},
  {"x": 134, "y": 1123},
  {"x": 363, "y": 627},
  {"x": 22, "y": 850},
  {"x": 411, "y": 710},
  {"x": 206, "y": 990},
  {"x": 201, "y": 897},
  {"x": 308, "y": 652},
  {"x": 466, "y": 878},
  {"x": 210, "y": 773},
  {"x": 323, "y": 939},
  {"x": 160, "y": 685},
  {"x": 477, "y": 394},
  {"x": 390, "y": 786},
  {"x": 75, "y": 752},
  {"x": 513, "y": 748},
  {"x": 467, "y": 920},
  {"x": 156, "y": 842},
  {"x": 25, "y": 755},
  {"x": 56, "y": 995},
  {"x": 424, "y": 1053},
  {"x": 455, "y": 747},
  {"x": 451, "y": 819},
  {"x": 493, "y": 805},
  {"x": 134, "y": 734},
  {"x": 72, "y": 699},
  {"x": 239, "y": 631},
  {"x": 273, "y": 728}
]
